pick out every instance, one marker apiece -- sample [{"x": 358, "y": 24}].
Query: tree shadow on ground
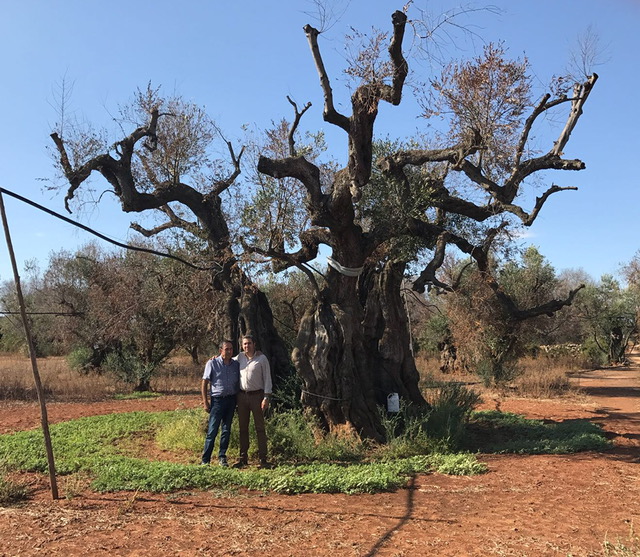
[{"x": 611, "y": 392}]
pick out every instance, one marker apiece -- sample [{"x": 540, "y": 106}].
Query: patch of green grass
[
  {"x": 185, "y": 432},
  {"x": 137, "y": 395},
  {"x": 293, "y": 438},
  {"x": 96, "y": 446},
  {"x": 504, "y": 432},
  {"x": 100, "y": 447}
]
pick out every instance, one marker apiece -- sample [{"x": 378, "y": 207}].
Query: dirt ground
[{"x": 525, "y": 505}]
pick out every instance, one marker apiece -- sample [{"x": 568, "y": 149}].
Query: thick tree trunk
[
  {"x": 616, "y": 346},
  {"x": 247, "y": 311},
  {"x": 193, "y": 352},
  {"x": 336, "y": 371},
  {"x": 256, "y": 318},
  {"x": 355, "y": 351},
  {"x": 386, "y": 331}
]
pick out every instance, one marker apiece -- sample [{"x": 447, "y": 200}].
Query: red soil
[{"x": 525, "y": 505}]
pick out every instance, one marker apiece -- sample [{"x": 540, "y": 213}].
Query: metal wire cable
[{"x": 102, "y": 236}]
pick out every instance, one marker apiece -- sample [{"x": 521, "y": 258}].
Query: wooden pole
[{"x": 32, "y": 353}]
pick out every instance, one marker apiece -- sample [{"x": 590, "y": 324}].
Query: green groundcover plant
[
  {"x": 503, "y": 432},
  {"x": 110, "y": 449},
  {"x": 102, "y": 446}
]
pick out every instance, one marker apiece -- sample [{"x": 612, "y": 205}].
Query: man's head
[
  {"x": 248, "y": 345},
  {"x": 226, "y": 349}
]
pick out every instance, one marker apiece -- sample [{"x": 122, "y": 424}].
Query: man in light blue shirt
[{"x": 220, "y": 384}]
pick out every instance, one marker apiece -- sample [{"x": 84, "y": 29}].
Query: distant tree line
[{"x": 126, "y": 312}]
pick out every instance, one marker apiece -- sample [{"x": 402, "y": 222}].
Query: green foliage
[
  {"x": 294, "y": 437},
  {"x": 503, "y": 432},
  {"x": 137, "y": 395},
  {"x": 286, "y": 394},
  {"x": 439, "y": 427},
  {"x": 12, "y": 338},
  {"x": 497, "y": 373},
  {"x": 595, "y": 355},
  {"x": 100, "y": 446},
  {"x": 129, "y": 367},
  {"x": 456, "y": 464},
  {"x": 605, "y": 306},
  {"x": 434, "y": 333},
  {"x": 185, "y": 431},
  {"x": 451, "y": 406},
  {"x": 530, "y": 281},
  {"x": 80, "y": 359},
  {"x": 386, "y": 201}
]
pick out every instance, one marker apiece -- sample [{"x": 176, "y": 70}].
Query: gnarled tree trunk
[{"x": 354, "y": 350}]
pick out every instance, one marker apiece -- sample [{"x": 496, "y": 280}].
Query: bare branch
[
  {"x": 174, "y": 222},
  {"x": 222, "y": 185},
  {"x": 331, "y": 115},
  {"x": 287, "y": 260},
  {"x": 528, "y": 218},
  {"x": 581, "y": 93},
  {"x": 428, "y": 275},
  {"x": 294, "y": 126},
  {"x": 76, "y": 177},
  {"x": 299, "y": 168},
  {"x": 400, "y": 66}
]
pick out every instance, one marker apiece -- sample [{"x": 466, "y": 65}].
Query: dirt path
[{"x": 525, "y": 505}]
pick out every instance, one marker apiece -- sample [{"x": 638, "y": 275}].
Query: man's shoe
[
  {"x": 203, "y": 463},
  {"x": 223, "y": 461},
  {"x": 264, "y": 465},
  {"x": 240, "y": 464}
]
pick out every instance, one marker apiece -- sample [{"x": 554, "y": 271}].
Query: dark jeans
[{"x": 222, "y": 408}]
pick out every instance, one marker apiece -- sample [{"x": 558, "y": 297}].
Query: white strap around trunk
[{"x": 346, "y": 271}]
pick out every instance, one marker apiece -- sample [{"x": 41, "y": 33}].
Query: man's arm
[
  {"x": 266, "y": 378},
  {"x": 205, "y": 394}
]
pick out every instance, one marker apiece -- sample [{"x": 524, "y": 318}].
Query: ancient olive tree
[
  {"x": 390, "y": 207},
  {"x": 459, "y": 191}
]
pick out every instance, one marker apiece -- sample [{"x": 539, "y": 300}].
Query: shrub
[
  {"x": 80, "y": 359},
  {"x": 497, "y": 373},
  {"x": 128, "y": 367},
  {"x": 594, "y": 354},
  {"x": 435, "y": 428},
  {"x": 451, "y": 406},
  {"x": 10, "y": 492},
  {"x": 295, "y": 437}
]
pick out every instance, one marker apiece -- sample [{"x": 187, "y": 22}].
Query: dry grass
[
  {"x": 61, "y": 383},
  {"x": 542, "y": 377}
]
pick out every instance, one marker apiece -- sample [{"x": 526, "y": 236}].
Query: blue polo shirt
[{"x": 224, "y": 379}]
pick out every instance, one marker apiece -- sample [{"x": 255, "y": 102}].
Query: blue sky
[{"x": 241, "y": 61}]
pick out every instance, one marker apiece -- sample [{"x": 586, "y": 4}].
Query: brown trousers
[{"x": 251, "y": 402}]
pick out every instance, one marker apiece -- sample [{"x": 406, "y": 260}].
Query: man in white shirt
[{"x": 253, "y": 398}]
